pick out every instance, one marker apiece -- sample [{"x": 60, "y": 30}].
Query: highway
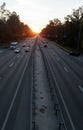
[
  {"x": 65, "y": 78},
  {"x": 15, "y": 89},
  {"x": 67, "y": 72}
]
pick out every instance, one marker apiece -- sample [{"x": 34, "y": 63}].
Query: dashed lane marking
[
  {"x": 66, "y": 69},
  {"x": 1, "y": 51},
  {"x": 58, "y": 59},
  {"x": 80, "y": 88},
  {"x": 11, "y": 64},
  {"x": 18, "y": 56}
]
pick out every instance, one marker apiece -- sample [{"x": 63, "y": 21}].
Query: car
[
  {"x": 45, "y": 45},
  {"x": 13, "y": 45},
  {"x": 27, "y": 49},
  {"x": 17, "y": 50},
  {"x": 28, "y": 45},
  {"x": 24, "y": 45},
  {"x": 74, "y": 53}
]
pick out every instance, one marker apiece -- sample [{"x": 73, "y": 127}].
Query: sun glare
[{"x": 35, "y": 29}]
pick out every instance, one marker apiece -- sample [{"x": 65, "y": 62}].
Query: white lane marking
[
  {"x": 22, "y": 55},
  {"x": 18, "y": 56},
  {"x": 80, "y": 88},
  {"x": 70, "y": 119},
  {"x": 66, "y": 69},
  {"x": 11, "y": 64},
  {"x": 1, "y": 51},
  {"x": 58, "y": 59},
  {"x": 80, "y": 58},
  {"x": 14, "y": 97}
]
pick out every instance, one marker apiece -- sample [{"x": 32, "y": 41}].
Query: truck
[{"x": 13, "y": 45}]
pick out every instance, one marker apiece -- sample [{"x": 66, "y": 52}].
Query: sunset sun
[{"x": 35, "y": 28}]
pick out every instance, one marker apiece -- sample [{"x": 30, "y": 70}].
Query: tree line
[
  {"x": 69, "y": 33},
  {"x": 11, "y": 28}
]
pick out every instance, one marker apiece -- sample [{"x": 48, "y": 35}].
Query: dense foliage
[
  {"x": 69, "y": 33},
  {"x": 11, "y": 28}
]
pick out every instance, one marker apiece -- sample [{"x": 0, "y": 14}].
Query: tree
[
  {"x": 51, "y": 29},
  {"x": 75, "y": 21},
  {"x": 68, "y": 33},
  {"x": 11, "y": 28}
]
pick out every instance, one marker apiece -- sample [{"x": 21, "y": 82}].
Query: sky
[{"x": 38, "y": 13}]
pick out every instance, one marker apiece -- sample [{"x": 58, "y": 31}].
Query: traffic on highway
[{"x": 41, "y": 87}]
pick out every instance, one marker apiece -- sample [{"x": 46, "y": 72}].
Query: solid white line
[
  {"x": 73, "y": 127},
  {"x": 80, "y": 88},
  {"x": 11, "y": 105},
  {"x": 66, "y": 109},
  {"x": 11, "y": 64},
  {"x": 66, "y": 69}
]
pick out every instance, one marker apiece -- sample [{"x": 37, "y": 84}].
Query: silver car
[{"x": 17, "y": 50}]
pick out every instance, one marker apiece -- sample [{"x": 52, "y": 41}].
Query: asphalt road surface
[
  {"x": 16, "y": 82},
  {"x": 67, "y": 73},
  {"x": 15, "y": 88}
]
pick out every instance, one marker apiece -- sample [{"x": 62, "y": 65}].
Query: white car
[
  {"x": 13, "y": 45},
  {"x": 17, "y": 50},
  {"x": 27, "y": 49}
]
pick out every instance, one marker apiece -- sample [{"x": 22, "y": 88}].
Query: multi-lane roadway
[
  {"x": 15, "y": 88},
  {"x": 64, "y": 72},
  {"x": 67, "y": 74}
]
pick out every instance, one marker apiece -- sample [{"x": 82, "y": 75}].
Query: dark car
[
  {"x": 45, "y": 45},
  {"x": 24, "y": 44},
  {"x": 74, "y": 53}
]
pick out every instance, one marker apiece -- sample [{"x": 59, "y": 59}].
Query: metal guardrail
[
  {"x": 32, "y": 123},
  {"x": 57, "y": 108}
]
